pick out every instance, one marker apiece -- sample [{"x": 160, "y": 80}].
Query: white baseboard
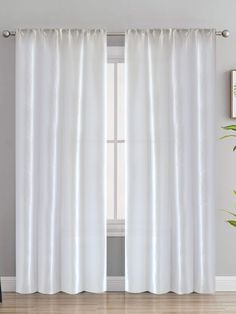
[
  {"x": 117, "y": 283},
  {"x": 8, "y": 284},
  {"x": 225, "y": 283}
]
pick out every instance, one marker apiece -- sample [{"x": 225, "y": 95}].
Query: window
[{"x": 115, "y": 142}]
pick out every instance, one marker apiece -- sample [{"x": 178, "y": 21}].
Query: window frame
[{"x": 115, "y": 227}]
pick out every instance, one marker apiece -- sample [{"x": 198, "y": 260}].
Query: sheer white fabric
[
  {"x": 60, "y": 161},
  {"x": 170, "y": 81}
]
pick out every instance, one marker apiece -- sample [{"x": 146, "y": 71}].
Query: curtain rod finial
[
  {"x": 225, "y": 33},
  {"x": 6, "y": 34}
]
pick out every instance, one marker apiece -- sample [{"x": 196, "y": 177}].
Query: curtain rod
[{"x": 225, "y": 33}]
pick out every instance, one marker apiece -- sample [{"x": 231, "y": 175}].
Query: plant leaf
[
  {"x": 234, "y": 148},
  {"x": 230, "y": 127},
  {"x": 232, "y": 222},
  {"x": 229, "y": 212},
  {"x": 234, "y": 192},
  {"x": 226, "y": 136}
]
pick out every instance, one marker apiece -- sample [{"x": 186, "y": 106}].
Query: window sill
[{"x": 115, "y": 228}]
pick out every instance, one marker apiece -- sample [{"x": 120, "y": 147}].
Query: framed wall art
[{"x": 233, "y": 94}]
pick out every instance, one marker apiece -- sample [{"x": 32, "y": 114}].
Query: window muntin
[{"x": 115, "y": 142}]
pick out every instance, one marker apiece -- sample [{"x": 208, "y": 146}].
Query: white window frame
[{"x": 115, "y": 227}]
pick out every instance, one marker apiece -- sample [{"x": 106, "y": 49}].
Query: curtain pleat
[
  {"x": 60, "y": 161},
  {"x": 170, "y": 81}
]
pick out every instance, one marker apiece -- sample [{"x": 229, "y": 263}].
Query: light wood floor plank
[{"x": 119, "y": 303}]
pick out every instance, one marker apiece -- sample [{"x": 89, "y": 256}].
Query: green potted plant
[{"x": 232, "y": 127}]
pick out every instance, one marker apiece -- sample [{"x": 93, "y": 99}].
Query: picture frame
[{"x": 233, "y": 94}]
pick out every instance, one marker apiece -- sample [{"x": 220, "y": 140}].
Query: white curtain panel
[
  {"x": 170, "y": 86},
  {"x": 60, "y": 161}
]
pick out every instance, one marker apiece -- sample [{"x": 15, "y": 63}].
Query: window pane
[
  {"x": 110, "y": 181},
  {"x": 110, "y": 101},
  {"x": 120, "y": 100},
  {"x": 120, "y": 181}
]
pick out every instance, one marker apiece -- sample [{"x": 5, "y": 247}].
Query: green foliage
[
  {"x": 227, "y": 211},
  {"x": 232, "y": 222},
  {"x": 230, "y": 128},
  {"x": 226, "y": 136}
]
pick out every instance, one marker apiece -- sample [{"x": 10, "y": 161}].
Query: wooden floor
[{"x": 117, "y": 303}]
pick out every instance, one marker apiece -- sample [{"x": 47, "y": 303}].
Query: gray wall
[{"x": 116, "y": 16}]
